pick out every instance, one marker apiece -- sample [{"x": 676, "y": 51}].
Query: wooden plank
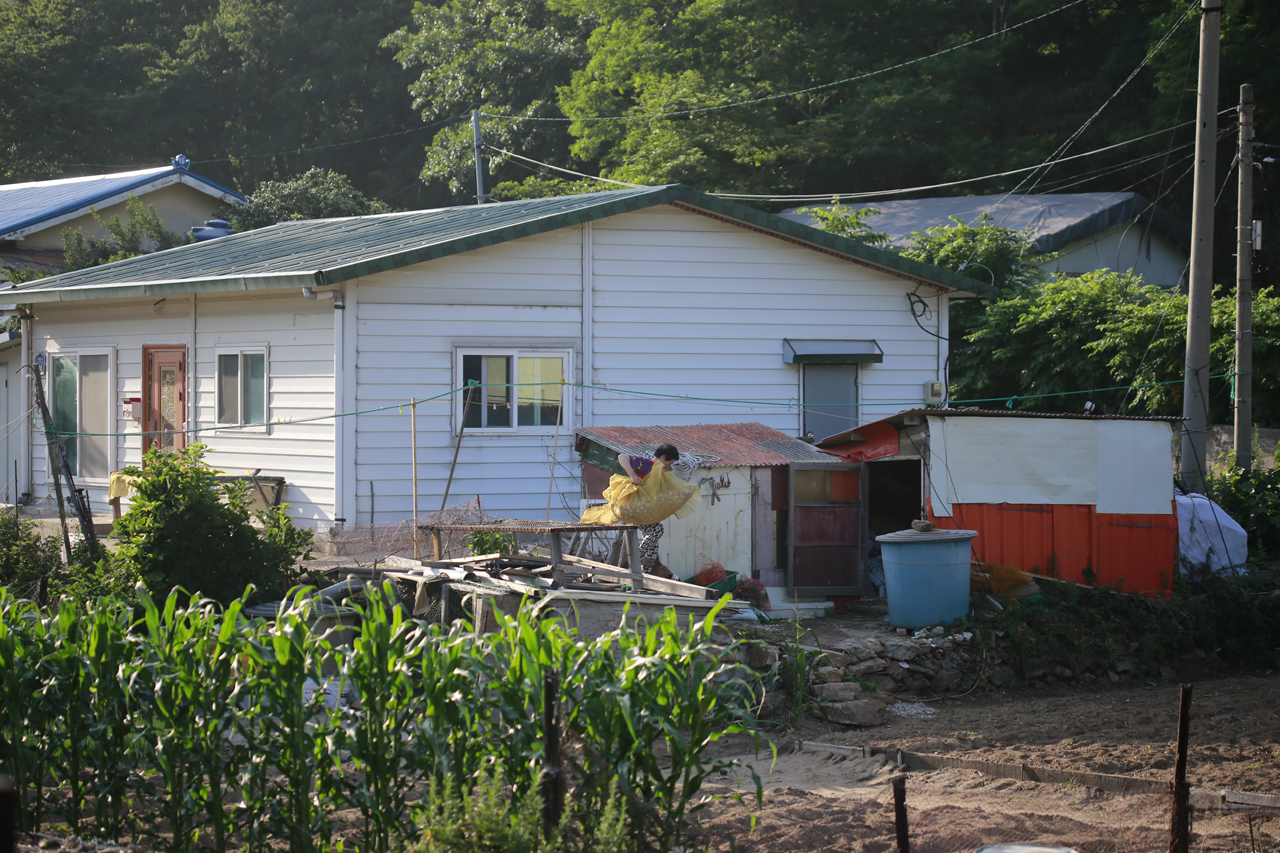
[
  {"x": 1045, "y": 775},
  {"x": 671, "y": 587},
  {"x": 1235, "y": 802}
]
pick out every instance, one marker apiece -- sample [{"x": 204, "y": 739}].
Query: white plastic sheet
[{"x": 1207, "y": 536}]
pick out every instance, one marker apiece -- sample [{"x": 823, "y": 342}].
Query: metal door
[{"x": 825, "y": 529}]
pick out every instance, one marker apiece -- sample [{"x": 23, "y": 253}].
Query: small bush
[
  {"x": 185, "y": 529},
  {"x": 25, "y": 556},
  {"x": 1252, "y": 498}
]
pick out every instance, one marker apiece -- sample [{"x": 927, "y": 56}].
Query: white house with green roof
[{"x": 296, "y": 349}]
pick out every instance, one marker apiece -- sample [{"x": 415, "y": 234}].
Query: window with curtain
[{"x": 514, "y": 390}]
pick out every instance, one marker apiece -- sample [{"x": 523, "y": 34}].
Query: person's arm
[{"x": 624, "y": 459}]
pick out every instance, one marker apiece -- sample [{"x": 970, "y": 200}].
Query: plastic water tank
[
  {"x": 926, "y": 576},
  {"x": 211, "y": 230}
]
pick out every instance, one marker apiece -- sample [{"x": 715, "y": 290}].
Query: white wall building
[{"x": 639, "y": 306}]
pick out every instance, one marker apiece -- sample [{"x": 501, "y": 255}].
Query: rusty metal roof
[
  {"x": 898, "y": 419},
  {"x": 718, "y": 445}
]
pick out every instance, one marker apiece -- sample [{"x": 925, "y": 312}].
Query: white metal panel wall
[
  {"x": 721, "y": 531},
  {"x": 1016, "y": 460},
  {"x": 689, "y": 305},
  {"x": 300, "y": 335},
  {"x": 522, "y": 294},
  {"x": 1135, "y": 474}
]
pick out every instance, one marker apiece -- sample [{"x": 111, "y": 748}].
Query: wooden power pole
[
  {"x": 1195, "y": 389},
  {"x": 1243, "y": 383}
]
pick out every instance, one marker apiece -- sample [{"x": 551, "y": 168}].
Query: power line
[
  {"x": 767, "y": 98},
  {"x": 560, "y": 168}
]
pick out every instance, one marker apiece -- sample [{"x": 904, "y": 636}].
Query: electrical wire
[
  {"x": 767, "y": 98},
  {"x": 927, "y": 187},
  {"x": 560, "y": 168}
]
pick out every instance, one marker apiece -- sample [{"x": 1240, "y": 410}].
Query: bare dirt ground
[{"x": 816, "y": 801}]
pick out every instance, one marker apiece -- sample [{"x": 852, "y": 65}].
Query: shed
[
  {"x": 1088, "y": 497},
  {"x": 772, "y": 506}
]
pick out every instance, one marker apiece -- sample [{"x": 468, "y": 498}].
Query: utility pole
[
  {"x": 475, "y": 137},
  {"x": 1243, "y": 383},
  {"x": 1195, "y": 388}
]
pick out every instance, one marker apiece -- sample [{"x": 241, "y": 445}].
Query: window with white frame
[
  {"x": 515, "y": 390},
  {"x": 241, "y": 387},
  {"x": 81, "y": 404}
]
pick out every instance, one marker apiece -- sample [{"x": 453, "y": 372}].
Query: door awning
[{"x": 831, "y": 352}]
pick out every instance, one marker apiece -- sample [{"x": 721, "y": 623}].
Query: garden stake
[
  {"x": 8, "y": 814},
  {"x": 900, "y": 813},
  {"x": 552, "y": 781},
  {"x": 1180, "y": 824}
]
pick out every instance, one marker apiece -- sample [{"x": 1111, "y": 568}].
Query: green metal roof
[{"x": 327, "y": 251}]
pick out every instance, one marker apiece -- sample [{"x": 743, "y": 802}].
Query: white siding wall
[
  {"x": 686, "y": 304},
  {"x": 679, "y": 303},
  {"x": 521, "y": 294},
  {"x": 300, "y": 370},
  {"x": 721, "y": 531}
]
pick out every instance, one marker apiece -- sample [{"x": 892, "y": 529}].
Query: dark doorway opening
[{"x": 894, "y": 496}]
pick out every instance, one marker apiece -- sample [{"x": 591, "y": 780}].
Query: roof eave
[{"x": 172, "y": 287}]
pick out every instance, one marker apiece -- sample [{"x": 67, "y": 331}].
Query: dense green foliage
[
  {"x": 317, "y": 194},
  {"x": 1233, "y": 620},
  {"x": 139, "y": 232},
  {"x": 1107, "y": 330},
  {"x": 1252, "y": 499},
  {"x": 185, "y": 529},
  {"x": 25, "y": 555},
  {"x": 195, "y": 718}
]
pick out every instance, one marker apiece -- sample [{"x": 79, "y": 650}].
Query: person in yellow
[{"x": 647, "y": 494}]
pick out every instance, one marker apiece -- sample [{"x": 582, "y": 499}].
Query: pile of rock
[{"x": 854, "y": 680}]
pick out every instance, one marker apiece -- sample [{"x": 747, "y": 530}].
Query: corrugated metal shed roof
[
  {"x": 719, "y": 445},
  {"x": 897, "y": 420},
  {"x": 1056, "y": 218},
  {"x": 24, "y": 207},
  {"x": 321, "y": 252}
]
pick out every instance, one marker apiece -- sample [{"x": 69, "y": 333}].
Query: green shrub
[
  {"x": 185, "y": 529},
  {"x": 25, "y": 556},
  {"x": 1253, "y": 499}
]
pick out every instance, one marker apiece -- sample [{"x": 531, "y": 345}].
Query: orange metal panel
[{"x": 1135, "y": 552}]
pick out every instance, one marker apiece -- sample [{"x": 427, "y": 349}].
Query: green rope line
[{"x": 789, "y": 405}]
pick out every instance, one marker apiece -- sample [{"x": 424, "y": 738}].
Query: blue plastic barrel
[{"x": 926, "y": 576}]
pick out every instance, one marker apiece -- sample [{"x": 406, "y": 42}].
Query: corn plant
[
  {"x": 28, "y": 716},
  {"x": 110, "y": 757},
  {"x": 289, "y": 728},
  {"x": 657, "y": 683},
  {"x": 67, "y": 687},
  {"x": 380, "y": 731}
]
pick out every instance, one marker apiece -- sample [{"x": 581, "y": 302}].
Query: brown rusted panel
[
  {"x": 720, "y": 445},
  {"x": 594, "y": 480}
]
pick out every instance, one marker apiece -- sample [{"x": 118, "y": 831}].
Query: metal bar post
[
  {"x": 413, "y": 468},
  {"x": 551, "y": 782},
  {"x": 900, "y": 814},
  {"x": 1180, "y": 820}
]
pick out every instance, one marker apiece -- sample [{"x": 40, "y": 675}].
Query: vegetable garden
[{"x": 186, "y": 723}]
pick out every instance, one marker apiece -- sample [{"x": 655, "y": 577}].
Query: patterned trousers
[{"x": 649, "y": 544}]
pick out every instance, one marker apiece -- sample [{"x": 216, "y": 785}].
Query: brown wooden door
[{"x": 164, "y": 397}]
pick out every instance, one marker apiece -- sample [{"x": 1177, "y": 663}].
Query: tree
[
  {"x": 318, "y": 194},
  {"x": 1043, "y": 349},
  {"x": 139, "y": 233},
  {"x": 847, "y": 222},
  {"x": 504, "y": 56}
]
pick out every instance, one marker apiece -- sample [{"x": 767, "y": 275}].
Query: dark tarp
[{"x": 1056, "y": 219}]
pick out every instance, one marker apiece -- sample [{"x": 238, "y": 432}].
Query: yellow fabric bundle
[{"x": 658, "y": 495}]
